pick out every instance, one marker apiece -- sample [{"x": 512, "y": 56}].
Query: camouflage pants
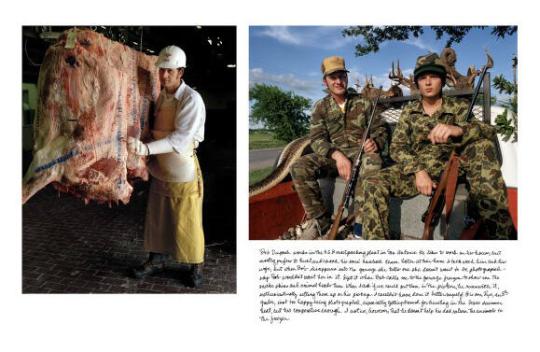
[
  {"x": 487, "y": 191},
  {"x": 308, "y": 168}
]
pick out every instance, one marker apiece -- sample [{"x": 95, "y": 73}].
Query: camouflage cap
[
  {"x": 429, "y": 63},
  {"x": 333, "y": 64}
]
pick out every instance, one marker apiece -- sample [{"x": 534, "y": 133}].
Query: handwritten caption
[{"x": 337, "y": 282}]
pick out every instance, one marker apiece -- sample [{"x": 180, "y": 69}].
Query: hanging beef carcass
[{"x": 93, "y": 94}]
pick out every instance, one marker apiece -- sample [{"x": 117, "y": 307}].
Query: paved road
[{"x": 261, "y": 158}]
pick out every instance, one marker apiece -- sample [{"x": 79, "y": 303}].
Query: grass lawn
[
  {"x": 257, "y": 175},
  {"x": 261, "y": 139}
]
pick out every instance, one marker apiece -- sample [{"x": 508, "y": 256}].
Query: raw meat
[{"x": 93, "y": 94}]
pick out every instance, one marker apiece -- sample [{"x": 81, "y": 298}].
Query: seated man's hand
[
  {"x": 137, "y": 147},
  {"x": 441, "y": 132},
  {"x": 343, "y": 164},
  {"x": 370, "y": 146},
  {"x": 424, "y": 184}
]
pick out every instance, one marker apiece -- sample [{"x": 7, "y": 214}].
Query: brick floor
[{"x": 70, "y": 247}]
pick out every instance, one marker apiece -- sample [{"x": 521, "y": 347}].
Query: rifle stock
[
  {"x": 436, "y": 203},
  {"x": 337, "y": 220}
]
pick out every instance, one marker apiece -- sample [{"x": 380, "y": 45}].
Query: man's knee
[
  {"x": 299, "y": 169},
  {"x": 371, "y": 164},
  {"x": 481, "y": 150},
  {"x": 371, "y": 184},
  {"x": 306, "y": 167}
]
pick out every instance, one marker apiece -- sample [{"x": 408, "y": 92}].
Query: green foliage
[
  {"x": 507, "y": 125},
  {"x": 261, "y": 139},
  {"x": 258, "y": 175},
  {"x": 374, "y": 36},
  {"x": 503, "y": 85},
  {"x": 504, "y": 126},
  {"x": 283, "y": 113}
]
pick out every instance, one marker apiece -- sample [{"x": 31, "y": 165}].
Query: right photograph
[{"x": 383, "y": 133}]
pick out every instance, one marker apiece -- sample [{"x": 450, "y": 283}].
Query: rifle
[
  {"x": 445, "y": 191},
  {"x": 354, "y": 175}
]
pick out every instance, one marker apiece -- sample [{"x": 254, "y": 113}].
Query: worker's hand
[
  {"x": 137, "y": 147},
  {"x": 370, "y": 146},
  {"x": 424, "y": 184},
  {"x": 343, "y": 164},
  {"x": 441, "y": 132}
]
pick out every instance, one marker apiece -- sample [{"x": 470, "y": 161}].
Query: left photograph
[{"x": 129, "y": 159}]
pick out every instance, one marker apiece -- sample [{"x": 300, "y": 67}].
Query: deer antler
[
  {"x": 453, "y": 81},
  {"x": 367, "y": 85},
  {"x": 397, "y": 77},
  {"x": 472, "y": 72}
]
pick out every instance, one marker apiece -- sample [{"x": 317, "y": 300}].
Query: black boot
[
  {"x": 155, "y": 264},
  {"x": 195, "y": 275}
]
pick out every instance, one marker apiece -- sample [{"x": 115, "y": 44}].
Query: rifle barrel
[
  {"x": 477, "y": 88},
  {"x": 354, "y": 175}
]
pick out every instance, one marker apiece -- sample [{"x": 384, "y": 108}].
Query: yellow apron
[
  {"x": 175, "y": 166},
  {"x": 174, "y": 214}
]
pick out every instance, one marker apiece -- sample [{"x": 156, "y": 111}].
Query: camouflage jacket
[
  {"x": 410, "y": 145},
  {"x": 331, "y": 129}
]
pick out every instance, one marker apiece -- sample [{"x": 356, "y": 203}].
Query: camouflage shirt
[
  {"x": 332, "y": 129},
  {"x": 410, "y": 145}
]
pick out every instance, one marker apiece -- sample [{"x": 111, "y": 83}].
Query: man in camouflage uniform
[
  {"x": 427, "y": 132},
  {"x": 337, "y": 125}
]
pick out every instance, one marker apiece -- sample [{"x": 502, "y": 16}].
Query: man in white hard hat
[{"x": 173, "y": 224}]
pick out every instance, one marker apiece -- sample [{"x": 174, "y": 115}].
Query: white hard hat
[{"x": 171, "y": 57}]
